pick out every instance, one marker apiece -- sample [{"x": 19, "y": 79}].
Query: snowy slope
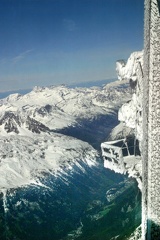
[
  {"x": 29, "y": 145},
  {"x": 24, "y": 158}
]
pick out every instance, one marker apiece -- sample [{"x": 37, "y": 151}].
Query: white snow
[
  {"x": 25, "y": 154},
  {"x": 120, "y": 131},
  {"x": 131, "y": 112},
  {"x": 130, "y": 115},
  {"x": 127, "y": 113},
  {"x": 127, "y": 70},
  {"x": 133, "y": 167},
  {"x": 137, "y": 234},
  {"x": 23, "y": 158},
  {"x": 66, "y": 104}
]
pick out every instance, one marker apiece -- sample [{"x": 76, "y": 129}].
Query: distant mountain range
[
  {"x": 98, "y": 83},
  {"x": 32, "y": 126}
]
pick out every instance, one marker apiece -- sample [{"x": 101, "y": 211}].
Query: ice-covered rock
[
  {"x": 120, "y": 131},
  {"x": 128, "y": 70},
  {"x": 131, "y": 112},
  {"x": 130, "y": 115}
]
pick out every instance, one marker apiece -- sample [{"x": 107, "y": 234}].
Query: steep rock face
[
  {"x": 13, "y": 122},
  {"x": 10, "y": 121},
  {"x": 35, "y": 126}
]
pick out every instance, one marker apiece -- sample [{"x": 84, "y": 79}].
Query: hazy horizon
[{"x": 52, "y": 42}]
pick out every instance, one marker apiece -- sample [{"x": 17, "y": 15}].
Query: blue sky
[{"x": 50, "y": 42}]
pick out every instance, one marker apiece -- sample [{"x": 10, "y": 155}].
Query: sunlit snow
[{"x": 29, "y": 147}]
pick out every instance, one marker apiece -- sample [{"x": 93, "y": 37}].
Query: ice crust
[{"x": 130, "y": 115}]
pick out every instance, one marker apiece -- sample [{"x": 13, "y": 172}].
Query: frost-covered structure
[
  {"x": 130, "y": 128},
  {"x": 131, "y": 112},
  {"x": 128, "y": 70},
  {"x": 121, "y": 157},
  {"x": 142, "y": 114}
]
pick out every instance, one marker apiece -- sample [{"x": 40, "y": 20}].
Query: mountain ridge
[{"x": 30, "y": 144}]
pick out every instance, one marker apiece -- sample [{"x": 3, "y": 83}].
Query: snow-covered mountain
[
  {"x": 30, "y": 145},
  {"x": 59, "y": 107}
]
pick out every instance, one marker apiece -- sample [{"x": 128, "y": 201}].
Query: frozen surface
[
  {"x": 130, "y": 115},
  {"x": 128, "y": 70}
]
